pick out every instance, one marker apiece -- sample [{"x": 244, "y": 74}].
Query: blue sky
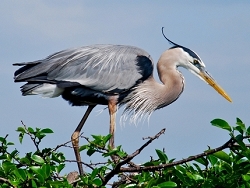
[{"x": 217, "y": 31}]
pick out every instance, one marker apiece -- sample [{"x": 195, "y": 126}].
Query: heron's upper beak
[{"x": 213, "y": 83}]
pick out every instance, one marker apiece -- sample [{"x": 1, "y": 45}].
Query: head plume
[
  {"x": 190, "y": 52},
  {"x": 171, "y": 42}
]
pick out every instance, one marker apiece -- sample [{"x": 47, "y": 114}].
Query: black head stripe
[{"x": 191, "y": 53}]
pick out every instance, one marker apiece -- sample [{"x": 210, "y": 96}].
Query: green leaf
[
  {"x": 223, "y": 156},
  {"x": 227, "y": 167},
  {"x": 246, "y": 153},
  {"x": 241, "y": 124},
  {"x": 21, "y": 174},
  {"x": 248, "y": 130},
  {"x": 151, "y": 163},
  {"x": 246, "y": 177},
  {"x": 46, "y": 131},
  {"x": 59, "y": 168},
  {"x": 239, "y": 129},
  {"x": 31, "y": 130},
  {"x": 94, "y": 173},
  {"x": 40, "y": 135},
  {"x": 57, "y": 157},
  {"x": 33, "y": 184},
  {"x": 239, "y": 140},
  {"x": 3, "y": 140},
  {"x": 221, "y": 124},
  {"x": 197, "y": 177},
  {"x": 21, "y": 137},
  {"x": 90, "y": 151},
  {"x": 198, "y": 168},
  {"x": 37, "y": 159},
  {"x": 202, "y": 161},
  {"x": 83, "y": 147},
  {"x": 97, "y": 139},
  {"x": 112, "y": 152},
  {"x": 10, "y": 144},
  {"x": 21, "y": 129},
  {"x": 3, "y": 157},
  {"x": 121, "y": 154},
  {"x": 162, "y": 156},
  {"x": 106, "y": 138},
  {"x": 167, "y": 184},
  {"x": 181, "y": 169},
  {"x": 46, "y": 170},
  {"x": 97, "y": 182},
  {"x": 14, "y": 153},
  {"x": 25, "y": 160},
  {"x": 213, "y": 160},
  {"x": 38, "y": 171},
  {"x": 179, "y": 175},
  {"x": 8, "y": 166}
]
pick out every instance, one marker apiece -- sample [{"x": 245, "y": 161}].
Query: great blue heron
[{"x": 112, "y": 75}]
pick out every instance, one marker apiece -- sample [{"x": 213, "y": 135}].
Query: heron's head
[{"x": 191, "y": 61}]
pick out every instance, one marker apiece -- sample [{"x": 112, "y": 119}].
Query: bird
[{"x": 112, "y": 75}]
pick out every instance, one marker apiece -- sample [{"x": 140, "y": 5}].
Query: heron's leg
[
  {"x": 112, "y": 112},
  {"x": 75, "y": 138}
]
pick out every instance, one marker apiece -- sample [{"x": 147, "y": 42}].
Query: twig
[
  {"x": 6, "y": 181},
  {"x": 64, "y": 144},
  {"x": 31, "y": 137},
  {"x": 75, "y": 161},
  {"x": 97, "y": 146},
  {"x": 117, "y": 169}
]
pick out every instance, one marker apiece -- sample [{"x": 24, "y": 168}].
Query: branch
[
  {"x": 31, "y": 137},
  {"x": 64, "y": 144},
  {"x": 117, "y": 169},
  {"x": 228, "y": 144}
]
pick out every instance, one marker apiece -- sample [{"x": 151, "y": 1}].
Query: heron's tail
[{"x": 43, "y": 89}]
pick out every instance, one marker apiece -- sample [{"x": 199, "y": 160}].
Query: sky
[{"x": 217, "y": 31}]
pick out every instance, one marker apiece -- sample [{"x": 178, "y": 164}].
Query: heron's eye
[{"x": 196, "y": 63}]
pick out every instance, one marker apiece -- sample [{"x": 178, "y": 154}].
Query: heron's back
[{"x": 86, "y": 72}]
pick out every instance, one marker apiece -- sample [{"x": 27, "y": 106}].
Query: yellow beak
[{"x": 213, "y": 83}]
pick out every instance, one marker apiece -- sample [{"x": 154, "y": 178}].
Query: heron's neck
[
  {"x": 172, "y": 80},
  {"x": 151, "y": 95},
  {"x": 168, "y": 91}
]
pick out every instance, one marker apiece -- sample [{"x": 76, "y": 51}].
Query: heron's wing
[{"x": 106, "y": 68}]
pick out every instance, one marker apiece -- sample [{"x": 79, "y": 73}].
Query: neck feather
[{"x": 151, "y": 95}]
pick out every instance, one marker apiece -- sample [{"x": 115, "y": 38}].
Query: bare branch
[
  {"x": 117, "y": 169},
  {"x": 31, "y": 137},
  {"x": 64, "y": 144},
  {"x": 228, "y": 144}
]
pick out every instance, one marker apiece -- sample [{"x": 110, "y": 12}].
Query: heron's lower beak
[{"x": 213, "y": 83}]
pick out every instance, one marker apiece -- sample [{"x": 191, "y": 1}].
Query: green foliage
[
  {"x": 226, "y": 166},
  {"x": 35, "y": 169}
]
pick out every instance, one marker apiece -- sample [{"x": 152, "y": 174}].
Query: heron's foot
[{"x": 72, "y": 177}]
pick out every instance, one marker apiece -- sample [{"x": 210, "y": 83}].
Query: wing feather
[{"x": 99, "y": 67}]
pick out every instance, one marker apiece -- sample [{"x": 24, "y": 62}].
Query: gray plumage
[
  {"x": 99, "y": 67},
  {"x": 87, "y": 75}
]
